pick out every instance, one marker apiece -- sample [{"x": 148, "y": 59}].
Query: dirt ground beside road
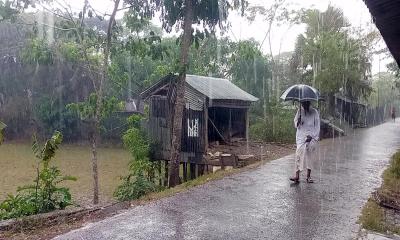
[{"x": 261, "y": 151}]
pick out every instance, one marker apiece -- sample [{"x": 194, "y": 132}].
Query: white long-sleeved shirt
[{"x": 309, "y": 125}]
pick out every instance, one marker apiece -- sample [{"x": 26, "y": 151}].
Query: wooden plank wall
[
  {"x": 193, "y": 131},
  {"x": 157, "y": 128}
]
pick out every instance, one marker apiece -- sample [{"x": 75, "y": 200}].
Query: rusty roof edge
[{"x": 148, "y": 92}]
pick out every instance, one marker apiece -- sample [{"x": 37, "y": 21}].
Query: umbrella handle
[
  {"x": 300, "y": 110},
  {"x": 298, "y": 123}
]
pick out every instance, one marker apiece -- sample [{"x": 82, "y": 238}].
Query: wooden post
[
  {"x": 166, "y": 174},
  {"x": 247, "y": 124},
  {"x": 230, "y": 124},
  {"x": 179, "y": 175},
  {"x": 185, "y": 172},
  {"x": 201, "y": 169},
  {"x": 205, "y": 126},
  {"x": 159, "y": 173},
  {"x": 192, "y": 171}
]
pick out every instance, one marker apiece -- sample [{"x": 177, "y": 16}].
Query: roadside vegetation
[
  {"x": 385, "y": 202},
  {"x": 19, "y": 169},
  {"x": 45, "y": 194},
  {"x": 276, "y": 127},
  {"x": 142, "y": 178}
]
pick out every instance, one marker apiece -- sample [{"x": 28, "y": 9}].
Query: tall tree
[
  {"x": 103, "y": 106},
  {"x": 394, "y": 69},
  {"x": 332, "y": 57},
  {"x": 183, "y": 14},
  {"x": 250, "y": 69},
  {"x": 84, "y": 38},
  {"x": 77, "y": 40},
  {"x": 384, "y": 90},
  {"x": 99, "y": 93},
  {"x": 277, "y": 13},
  {"x": 180, "y": 92}
]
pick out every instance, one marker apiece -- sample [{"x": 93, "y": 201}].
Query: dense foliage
[
  {"x": 384, "y": 90},
  {"x": 140, "y": 179},
  {"x": 45, "y": 194},
  {"x": 44, "y": 74},
  {"x": 332, "y": 56}
]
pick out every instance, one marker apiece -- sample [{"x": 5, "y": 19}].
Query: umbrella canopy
[{"x": 301, "y": 93}]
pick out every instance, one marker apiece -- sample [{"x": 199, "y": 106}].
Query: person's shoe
[{"x": 309, "y": 180}]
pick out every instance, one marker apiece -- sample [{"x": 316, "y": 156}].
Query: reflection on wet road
[{"x": 262, "y": 204}]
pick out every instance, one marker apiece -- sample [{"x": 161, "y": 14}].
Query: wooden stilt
[
  {"x": 185, "y": 172},
  {"x": 166, "y": 173},
  {"x": 192, "y": 171},
  {"x": 205, "y": 127},
  {"x": 230, "y": 125},
  {"x": 200, "y": 169},
  {"x": 159, "y": 173},
  {"x": 247, "y": 124}
]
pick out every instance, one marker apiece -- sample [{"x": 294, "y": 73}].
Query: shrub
[
  {"x": 133, "y": 187},
  {"x": 2, "y": 127},
  {"x": 18, "y": 206},
  {"x": 139, "y": 181},
  {"x": 44, "y": 195}
]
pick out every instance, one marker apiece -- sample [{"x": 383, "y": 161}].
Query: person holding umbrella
[{"x": 307, "y": 124}]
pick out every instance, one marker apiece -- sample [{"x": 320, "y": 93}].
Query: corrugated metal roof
[
  {"x": 386, "y": 16},
  {"x": 194, "y": 99},
  {"x": 218, "y": 88}
]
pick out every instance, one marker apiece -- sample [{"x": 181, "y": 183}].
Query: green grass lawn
[{"x": 17, "y": 167}]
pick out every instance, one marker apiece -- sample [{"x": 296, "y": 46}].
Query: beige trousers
[{"x": 305, "y": 156}]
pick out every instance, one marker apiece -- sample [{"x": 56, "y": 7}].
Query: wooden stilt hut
[{"x": 215, "y": 110}]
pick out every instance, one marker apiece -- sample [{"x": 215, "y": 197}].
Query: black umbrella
[{"x": 301, "y": 93}]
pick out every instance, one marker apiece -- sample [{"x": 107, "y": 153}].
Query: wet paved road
[{"x": 262, "y": 204}]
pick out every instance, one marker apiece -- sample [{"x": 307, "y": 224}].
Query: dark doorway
[{"x": 226, "y": 123}]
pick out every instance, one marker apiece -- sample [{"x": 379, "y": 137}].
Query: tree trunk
[
  {"x": 94, "y": 164},
  {"x": 264, "y": 102},
  {"x": 99, "y": 104},
  {"x": 179, "y": 101}
]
